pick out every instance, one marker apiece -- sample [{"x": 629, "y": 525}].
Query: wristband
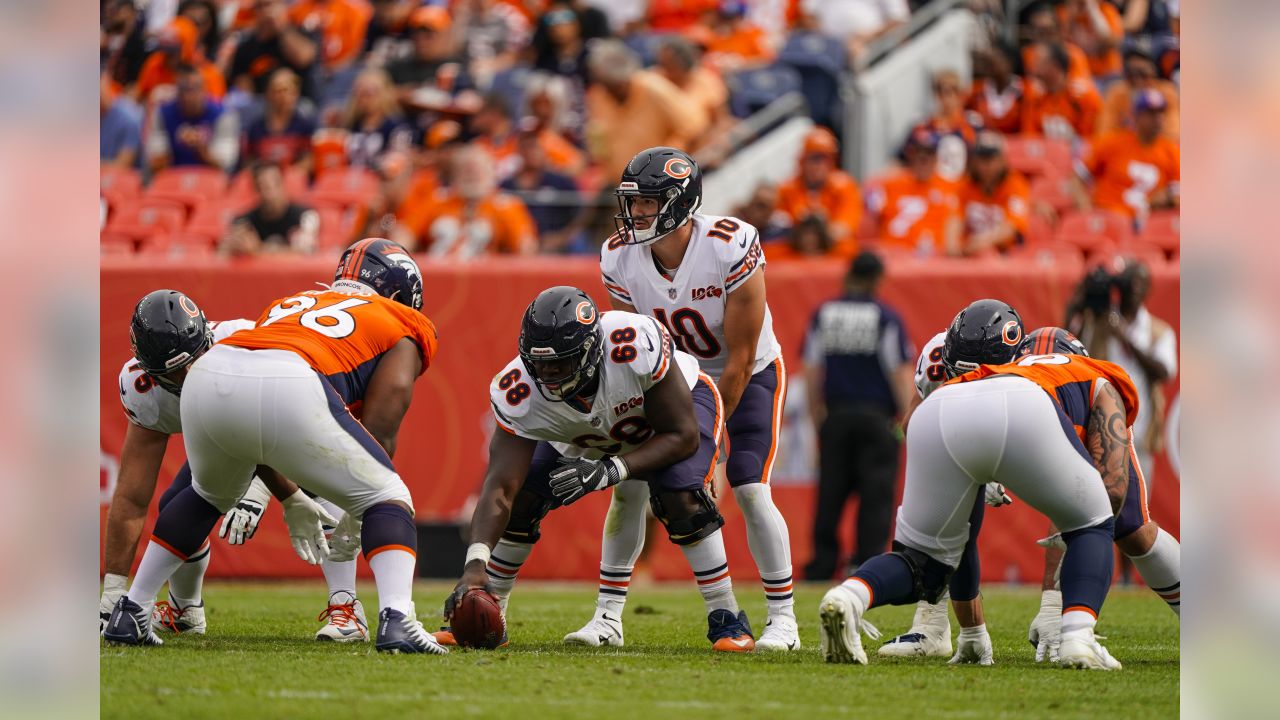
[
  {"x": 619, "y": 468},
  {"x": 112, "y": 583},
  {"x": 477, "y": 551}
]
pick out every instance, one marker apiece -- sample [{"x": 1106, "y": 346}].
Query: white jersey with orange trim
[
  {"x": 929, "y": 371},
  {"x": 148, "y": 404},
  {"x": 638, "y": 353},
  {"x": 723, "y": 253}
]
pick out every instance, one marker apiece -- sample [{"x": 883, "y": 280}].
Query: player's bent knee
[
  {"x": 388, "y": 525},
  {"x": 1139, "y": 541},
  {"x": 931, "y": 576},
  {"x": 525, "y": 522},
  {"x": 688, "y": 515}
]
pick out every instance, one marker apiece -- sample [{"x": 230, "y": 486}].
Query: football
[{"x": 477, "y": 621}]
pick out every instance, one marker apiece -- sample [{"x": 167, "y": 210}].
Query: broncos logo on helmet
[
  {"x": 384, "y": 266},
  {"x": 669, "y": 177}
]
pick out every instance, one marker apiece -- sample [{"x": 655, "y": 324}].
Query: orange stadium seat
[
  {"x": 1092, "y": 245},
  {"x": 1163, "y": 230},
  {"x": 193, "y": 246},
  {"x": 1097, "y": 222},
  {"x": 1034, "y": 156},
  {"x": 1054, "y": 191},
  {"x": 353, "y": 186},
  {"x": 190, "y": 186},
  {"x": 1039, "y": 230},
  {"x": 119, "y": 184}
]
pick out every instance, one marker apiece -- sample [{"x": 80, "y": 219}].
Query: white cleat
[
  {"x": 780, "y": 635},
  {"x": 929, "y": 636},
  {"x": 1080, "y": 650},
  {"x": 841, "y": 621},
  {"x": 603, "y": 630},
  {"x": 169, "y": 617},
  {"x": 346, "y": 620}
]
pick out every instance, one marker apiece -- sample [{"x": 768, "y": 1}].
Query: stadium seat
[
  {"x": 213, "y": 217},
  {"x": 1039, "y": 230},
  {"x": 187, "y": 185},
  {"x": 1050, "y": 254},
  {"x": 337, "y": 228},
  {"x": 1052, "y": 189},
  {"x": 751, "y": 90},
  {"x": 145, "y": 219},
  {"x": 242, "y": 191},
  {"x": 1163, "y": 230},
  {"x": 1097, "y": 222},
  {"x": 193, "y": 245},
  {"x": 119, "y": 184},
  {"x": 116, "y": 244},
  {"x": 821, "y": 61},
  {"x": 351, "y": 186},
  {"x": 1034, "y": 156}
]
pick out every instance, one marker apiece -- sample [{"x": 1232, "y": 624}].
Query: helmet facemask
[
  {"x": 662, "y": 223},
  {"x": 562, "y": 376}
]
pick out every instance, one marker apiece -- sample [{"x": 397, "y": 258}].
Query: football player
[
  {"x": 701, "y": 277},
  {"x": 597, "y": 400},
  {"x": 279, "y": 395},
  {"x": 1006, "y": 424},
  {"x": 167, "y": 332}
]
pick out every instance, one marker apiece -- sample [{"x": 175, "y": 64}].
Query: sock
[
  {"x": 1160, "y": 569},
  {"x": 158, "y": 563},
  {"x": 1078, "y": 618},
  {"x": 1086, "y": 568},
  {"x": 621, "y": 544},
  {"x": 182, "y": 528},
  {"x": 883, "y": 580},
  {"x": 187, "y": 581},
  {"x": 973, "y": 633},
  {"x": 390, "y": 542},
  {"x": 504, "y": 564},
  {"x": 770, "y": 545},
  {"x": 340, "y": 576},
  {"x": 711, "y": 570}
]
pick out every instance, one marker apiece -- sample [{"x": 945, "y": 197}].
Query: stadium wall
[{"x": 477, "y": 308}]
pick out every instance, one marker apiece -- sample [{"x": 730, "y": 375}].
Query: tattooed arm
[{"x": 1108, "y": 440}]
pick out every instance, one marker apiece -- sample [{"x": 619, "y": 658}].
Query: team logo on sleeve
[
  {"x": 677, "y": 168},
  {"x": 1011, "y": 333}
]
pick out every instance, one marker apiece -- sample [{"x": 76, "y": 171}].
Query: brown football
[{"x": 477, "y": 621}]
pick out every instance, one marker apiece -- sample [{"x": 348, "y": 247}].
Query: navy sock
[
  {"x": 181, "y": 482},
  {"x": 890, "y": 579},
  {"x": 964, "y": 583},
  {"x": 1087, "y": 566},
  {"x": 386, "y": 526},
  {"x": 185, "y": 522}
]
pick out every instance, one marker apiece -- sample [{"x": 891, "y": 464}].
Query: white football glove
[
  {"x": 344, "y": 542},
  {"x": 1046, "y": 628},
  {"x": 995, "y": 495},
  {"x": 241, "y": 522},
  {"x": 306, "y": 521},
  {"x": 113, "y": 588},
  {"x": 973, "y": 647}
]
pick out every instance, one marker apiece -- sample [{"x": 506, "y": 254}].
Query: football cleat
[
  {"x": 445, "y": 637},
  {"x": 169, "y": 617},
  {"x": 130, "y": 624},
  {"x": 929, "y": 636},
  {"x": 346, "y": 621},
  {"x": 401, "y": 633},
  {"x": 603, "y": 629},
  {"x": 780, "y": 634},
  {"x": 841, "y": 621},
  {"x": 1080, "y": 650},
  {"x": 730, "y": 633}
]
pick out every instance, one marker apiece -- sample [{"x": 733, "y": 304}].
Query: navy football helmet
[
  {"x": 1050, "y": 340},
  {"x": 664, "y": 174},
  {"x": 167, "y": 333},
  {"x": 987, "y": 332},
  {"x": 561, "y": 342},
  {"x": 384, "y": 266}
]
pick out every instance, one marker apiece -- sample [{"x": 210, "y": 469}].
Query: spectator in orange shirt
[
  {"x": 678, "y": 63},
  {"x": 994, "y": 199},
  {"x": 949, "y": 123},
  {"x": 820, "y": 189},
  {"x": 997, "y": 95},
  {"x": 668, "y": 16},
  {"x": 1044, "y": 30},
  {"x": 1057, "y": 107},
  {"x": 732, "y": 42},
  {"x": 341, "y": 24},
  {"x": 1133, "y": 171},
  {"x": 492, "y": 129},
  {"x": 469, "y": 218},
  {"x": 177, "y": 45},
  {"x": 1140, "y": 73},
  {"x": 1095, "y": 27},
  {"x": 917, "y": 209}
]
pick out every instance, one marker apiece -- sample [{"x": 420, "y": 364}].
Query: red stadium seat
[
  {"x": 1164, "y": 231},
  {"x": 190, "y": 186},
  {"x": 119, "y": 184},
  {"x": 116, "y": 244},
  {"x": 337, "y": 228},
  {"x": 1097, "y": 222},
  {"x": 241, "y": 188},
  {"x": 213, "y": 218},
  {"x": 1091, "y": 244},
  {"x": 352, "y": 186},
  {"x": 143, "y": 220},
  {"x": 193, "y": 246},
  {"x": 1033, "y": 156},
  {"x": 1039, "y": 230},
  {"x": 1054, "y": 190}
]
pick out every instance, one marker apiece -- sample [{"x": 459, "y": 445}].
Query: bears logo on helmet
[{"x": 677, "y": 168}]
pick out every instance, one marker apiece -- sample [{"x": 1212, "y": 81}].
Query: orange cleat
[
  {"x": 445, "y": 637},
  {"x": 740, "y": 644}
]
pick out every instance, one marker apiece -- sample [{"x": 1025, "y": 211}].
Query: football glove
[
  {"x": 578, "y": 476},
  {"x": 241, "y": 522},
  {"x": 1046, "y": 628},
  {"x": 344, "y": 543},
  {"x": 973, "y": 647},
  {"x": 306, "y": 521},
  {"x": 995, "y": 495}
]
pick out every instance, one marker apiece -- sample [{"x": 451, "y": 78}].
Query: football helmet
[
  {"x": 1050, "y": 340},
  {"x": 664, "y": 174},
  {"x": 987, "y": 332},
  {"x": 384, "y": 266},
  {"x": 561, "y": 342},
  {"x": 167, "y": 333}
]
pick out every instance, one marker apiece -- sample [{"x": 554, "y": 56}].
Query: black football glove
[{"x": 578, "y": 476}]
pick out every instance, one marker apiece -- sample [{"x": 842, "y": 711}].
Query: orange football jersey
[
  {"x": 342, "y": 25},
  {"x": 1064, "y": 115},
  {"x": 1079, "y": 27},
  {"x": 999, "y": 110},
  {"x": 341, "y": 333},
  {"x": 1068, "y": 379},
  {"x": 447, "y": 225},
  {"x": 839, "y": 201},
  {"x": 1009, "y": 202},
  {"x": 914, "y": 214},
  {"x": 1126, "y": 172}
]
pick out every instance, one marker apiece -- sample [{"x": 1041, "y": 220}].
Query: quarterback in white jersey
[
  {"x": 597, "y": 400},
  {"x": 153, "y": 409},
  {"x": 702, "y": 276}
]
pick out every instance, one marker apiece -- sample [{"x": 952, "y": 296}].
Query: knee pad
[
  {"x": 688, "y": 515},
  {"x": 525, "y": 522},
  {"x": 931, "y": 577}
]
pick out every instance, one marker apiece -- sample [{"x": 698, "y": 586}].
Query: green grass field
[{"x": 259, "y": 661}]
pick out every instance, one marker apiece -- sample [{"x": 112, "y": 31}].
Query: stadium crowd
[{"x": 461, "y": 128}]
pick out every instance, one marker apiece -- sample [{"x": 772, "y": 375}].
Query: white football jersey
[
  {"x": 148, "y": 404},
  {"x": 638, "y": 352},
  {"x": 929, "y": 371},
  {"x": 723, "y": 253}
]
